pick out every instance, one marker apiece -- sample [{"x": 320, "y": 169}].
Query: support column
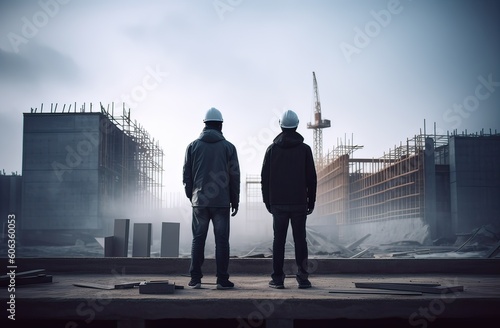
[{"x": 430, "y": 187}]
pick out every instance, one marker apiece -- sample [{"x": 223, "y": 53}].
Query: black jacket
[
  {"x": 211, "y": 173},
  {"x": 288, "y": 174}
]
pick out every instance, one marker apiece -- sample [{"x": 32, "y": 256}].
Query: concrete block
[
  {"x": 108, "y": 246},
  {"x": 141, "y": 244},
  {"x": 170, "y": 239},
  {"x": 121, "y": 235},
  {"x": 156, "y": 287}
]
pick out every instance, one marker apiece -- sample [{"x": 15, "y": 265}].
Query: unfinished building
[
  {"x": 84, "y": 168},
  {"x": 432, "y": 186}
]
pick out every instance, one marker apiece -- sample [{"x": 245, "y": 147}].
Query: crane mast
[{"x": 317, "y": 126}]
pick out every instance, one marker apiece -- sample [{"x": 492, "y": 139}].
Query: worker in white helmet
[
  {"x": 289, "y": 183},
  {"x": 211, "y": 177}
]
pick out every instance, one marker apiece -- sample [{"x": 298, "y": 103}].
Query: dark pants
[
  {"x": 200, "y": 225},
  {"x": 296, "y": 214}
]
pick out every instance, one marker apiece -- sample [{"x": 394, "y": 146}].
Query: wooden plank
[
  {"x": 106, "y": 286},
  {"x": 373, "y": 291},
  {"x": 25, "y": 273},
  {"x": 401, "y": 284},
  {"x": 27, "y": 277},
  {"x": 29, "y": 280},
  {"x": 94, "y": 285},
  {"x": 412, "y": 287}
]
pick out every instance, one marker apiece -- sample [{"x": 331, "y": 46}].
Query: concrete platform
[{"x": 252, "y": 303}]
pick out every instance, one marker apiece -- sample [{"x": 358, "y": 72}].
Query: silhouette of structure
[{"x": 317, "y": 126}]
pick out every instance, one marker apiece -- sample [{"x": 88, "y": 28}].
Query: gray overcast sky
[{"x": 383, "y": 67}]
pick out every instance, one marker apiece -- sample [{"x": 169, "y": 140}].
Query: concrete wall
[
  {"x": 474, "y": 182},
  {"x": 443, "y": 207},
  {"x": 80, "y": 172},
  {"x": 10, "y": 199},
  {"x": 60, "y": 172}
]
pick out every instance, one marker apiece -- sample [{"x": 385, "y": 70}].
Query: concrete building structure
[
  {"x": 431, "y": 187},
  {"x": 83, "y": 169},
  {"x": 434, "y": 186},
  {"x": 474, "y": 181}
]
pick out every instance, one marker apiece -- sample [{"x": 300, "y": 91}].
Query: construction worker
[
  {"x": 289, "y": 182},
  {"x": 211, "y": 177}
]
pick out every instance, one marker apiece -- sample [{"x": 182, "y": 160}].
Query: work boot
[
  {"x": 303, "y": 282},
  {"x": 195, "y": 283},
  {"x": 276, "y": 284},
  {"x": 224, "y": 284}
]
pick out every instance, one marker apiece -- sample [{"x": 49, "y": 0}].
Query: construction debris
[
  {"x": 158, "y": 287},
  {"x": 127, "y": 285},
  {"x": 483, "y": 242},
  {"x": 145, "y": 287},
  {"x": 398, "y": 288},
  {"x": 413, "y": 287},
  {"x": 360, "y": 253},
  {"x": 493, "y": 251},
  {"x": 358, "y": 242},
  {"x": 27, "y": 278},
  {"x": 373, "y": 291}
]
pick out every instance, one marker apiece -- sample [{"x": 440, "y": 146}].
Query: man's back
[
  {"x": 211, "y": 172},
  {"x": 288, "y": 173}
]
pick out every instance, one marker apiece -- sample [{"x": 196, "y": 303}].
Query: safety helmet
[
  {"x": 213, "y": 115},
  {"x": 289, "y": 119}
]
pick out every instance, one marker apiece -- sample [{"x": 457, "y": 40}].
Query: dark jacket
[
  {"x": 288, "y": 174},
  {"x": 211, "y": 173}
]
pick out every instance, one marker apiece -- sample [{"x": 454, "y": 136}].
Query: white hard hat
[
  {"x": 289, "y": 119},
  {"x": 213, "y": 115}
]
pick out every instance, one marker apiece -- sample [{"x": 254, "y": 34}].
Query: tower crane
[{"x": 317, "y": 127}]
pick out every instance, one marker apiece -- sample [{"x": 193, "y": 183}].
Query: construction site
[
  {"x": 408, "y": 239},
  {"x": 429, "y": 190}
]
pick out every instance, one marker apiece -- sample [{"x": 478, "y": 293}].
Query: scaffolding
[
  {"x": 254, "y": 203},
  {"x": 391, "y": 187},
  {"x": 332, "y": 198},
  {"x": 142, "y": 164}
]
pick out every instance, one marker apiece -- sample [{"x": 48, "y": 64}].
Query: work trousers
[
  {"x": 282, "y": 215},
  {"x": 200, "y": 224}
]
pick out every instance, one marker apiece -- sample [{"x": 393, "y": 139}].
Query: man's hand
[
  {"x": 234, "y": 210},
  {"x": 310, "y": 209}
]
